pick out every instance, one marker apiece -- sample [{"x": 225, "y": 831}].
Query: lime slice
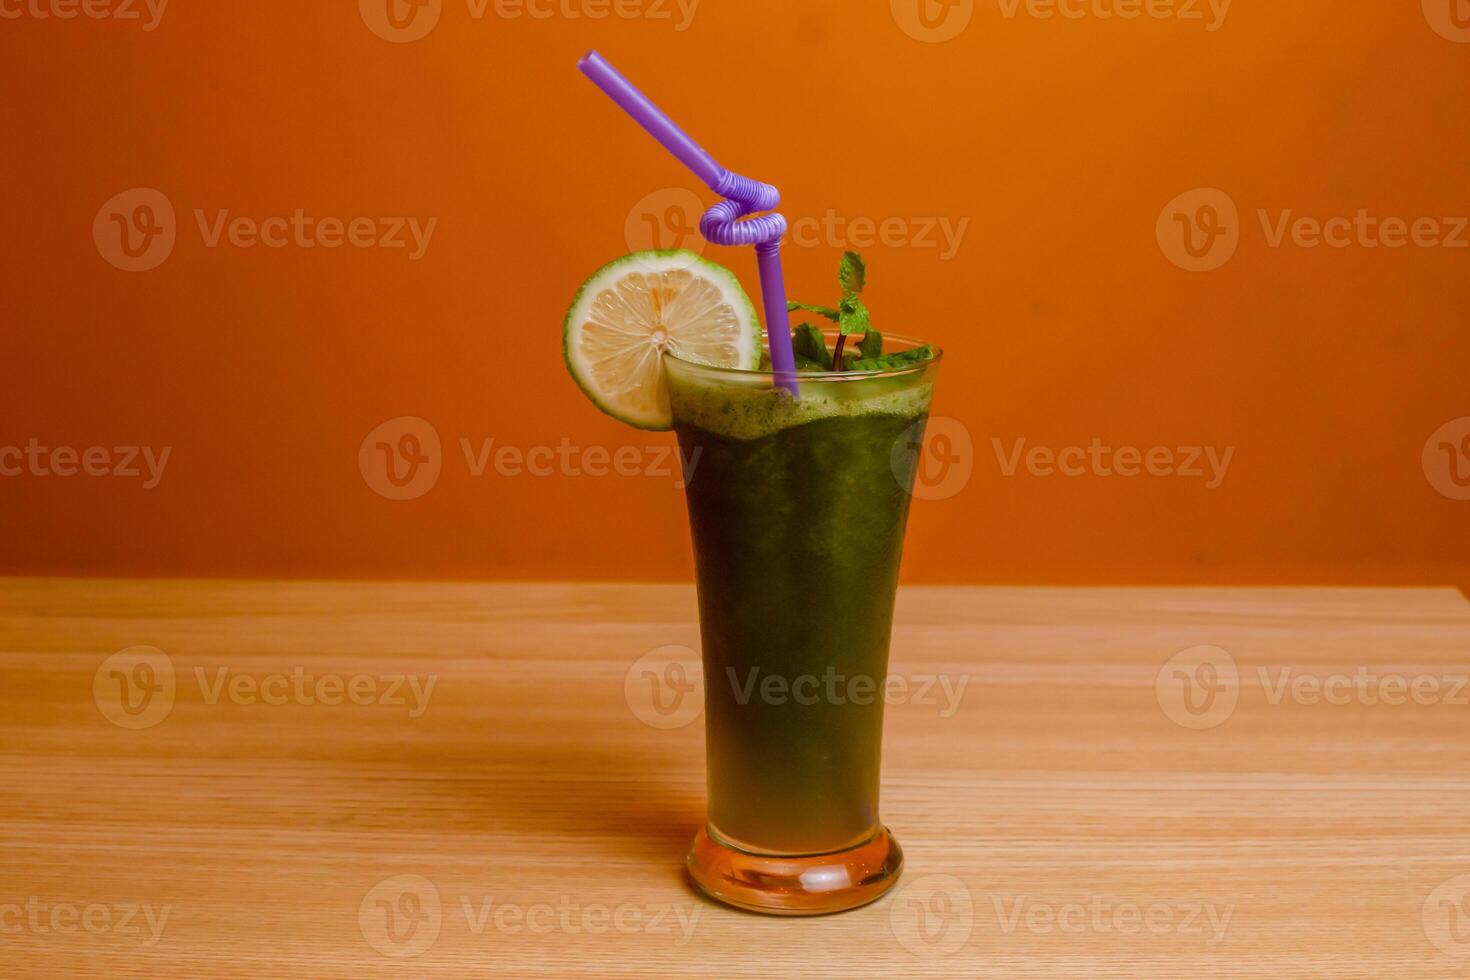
[{"x": 642, "y": 306}]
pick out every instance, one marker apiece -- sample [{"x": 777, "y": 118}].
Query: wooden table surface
[{"x": 1087, "y": 782}]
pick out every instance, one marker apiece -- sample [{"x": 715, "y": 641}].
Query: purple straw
[{"x": 722, "y": 223}]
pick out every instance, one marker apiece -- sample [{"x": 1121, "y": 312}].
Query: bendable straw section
[
  {"x": 726, "y": 223},
  {"x": 721, "y": 224}
]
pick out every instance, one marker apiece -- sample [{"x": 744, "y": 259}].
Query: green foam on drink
[{"x": 755, "y": 409}]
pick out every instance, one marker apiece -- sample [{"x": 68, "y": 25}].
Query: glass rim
[{"x": 805, "y": 376}]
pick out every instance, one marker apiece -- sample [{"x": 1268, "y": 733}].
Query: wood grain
[{"x": 1056, "y": 821}]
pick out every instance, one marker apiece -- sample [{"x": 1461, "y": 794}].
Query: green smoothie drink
[
  {"x": 797, "y": 507},
  {"x": 804, "y": 452},
  {"x": 798, "y": 498}
]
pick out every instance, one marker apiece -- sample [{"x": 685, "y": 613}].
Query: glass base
[{"x": 797, "y": 885}]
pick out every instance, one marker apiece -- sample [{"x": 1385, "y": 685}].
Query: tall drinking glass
[{"x": 798, "y": 508}]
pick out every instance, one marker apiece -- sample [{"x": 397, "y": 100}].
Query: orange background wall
[{"x": 1059, "y": 141}]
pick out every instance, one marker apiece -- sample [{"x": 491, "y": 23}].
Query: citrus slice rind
[{"x": 634, "y": 310}]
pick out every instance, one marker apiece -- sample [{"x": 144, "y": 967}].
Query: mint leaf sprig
[
  {"x": 892, "y": 362},
  {"x": 852, "y": 318},
  {"x": 850, "y": 315},
  {"x": 810, "y": 348}
]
